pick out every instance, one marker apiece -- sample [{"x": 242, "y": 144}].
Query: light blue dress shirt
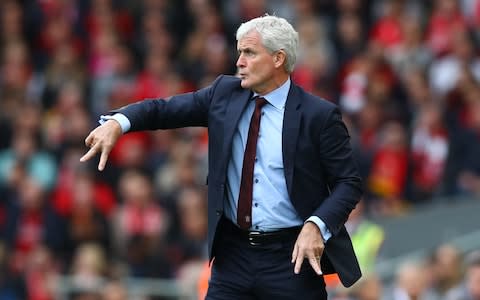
[{"x": 271, "y": 206}]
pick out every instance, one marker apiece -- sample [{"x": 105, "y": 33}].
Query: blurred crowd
[{"x": 405, "y": 74}]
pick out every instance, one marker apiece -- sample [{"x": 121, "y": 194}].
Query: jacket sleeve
[
  {"x": 183, "y": 110},
  {"x": 341, "y": 171}
]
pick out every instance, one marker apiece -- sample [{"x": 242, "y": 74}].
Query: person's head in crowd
[
  {"x": 446, "y": 7},
  {"x": 31, "y": 194},
  {"x": 24, "y": 145},
  {"x": 11, "y": 21},
  {"x": 348, "y": 6},
  {"x": 393, "y": 136},
  {"x": 28, "y": 118},
  {"x": 192, "y": 209},
  {"x": 16, "y": 70},
  {"x": 430, "y": 117},
  {"x": 350, "y": 31},
  {"x": 139, "y": 214},
  {"x": 447, "y": 268},
  {"x": 115, "y": 290},
  {"x": 157, "y": 64},
  {"x": 411, "y": 280},
  {"x": 368, "y": 288},
  {"x": 249, "y": 9},
  {"x": 217, "y": 56},
  {"x": 89, "y": 266},
  {"x": 463, "y": 46},
  {"x": 472, "y": 276},
  {"x": 135, "y": 188},
  {"x": 122, "y": 60},
  {"x": 132, "y": 151},
  {"x": 27, "y": 155},
  {"x": 416, "y": 87},
  {"x": 83, "y": 191}
]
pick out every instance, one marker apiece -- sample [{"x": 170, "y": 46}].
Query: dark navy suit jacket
[{"x": 321, "y": 175}]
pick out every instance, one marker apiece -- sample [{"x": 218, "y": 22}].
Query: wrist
[{"x": 115, "y": 125}]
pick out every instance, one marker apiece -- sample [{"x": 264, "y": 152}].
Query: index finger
[
  {"x": 299, "y": 261},
  {"x": 91, "y": 153}
]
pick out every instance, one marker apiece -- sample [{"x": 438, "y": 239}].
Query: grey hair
[{"x": 276, "y": 34}]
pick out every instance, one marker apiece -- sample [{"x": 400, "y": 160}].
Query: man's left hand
[{"x": 309, "y": 245}]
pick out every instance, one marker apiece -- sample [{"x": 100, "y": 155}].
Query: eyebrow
[{"x": 247, "y": 50}]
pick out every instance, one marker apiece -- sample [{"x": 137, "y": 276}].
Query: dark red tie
[{"x": 244, "y": 211}]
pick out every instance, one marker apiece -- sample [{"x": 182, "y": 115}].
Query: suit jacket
[{"x": 321, "y": 175}]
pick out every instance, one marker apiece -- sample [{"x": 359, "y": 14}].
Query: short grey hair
[{"x": 276, "y": 34}]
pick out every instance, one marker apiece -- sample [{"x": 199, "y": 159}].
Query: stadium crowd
[{"x": 405, "y": 74}]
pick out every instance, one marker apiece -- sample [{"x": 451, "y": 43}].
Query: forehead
[{"x": 251, "y": 39}]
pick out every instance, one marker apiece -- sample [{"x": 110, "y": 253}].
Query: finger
[
  {"x": 294, "y": 253},
  {"x": 315, "y": 263},
  {"x": 103, "y": 159},
  {"x": 299, "y": 261},
  {"x": 91, "y": 153},
  {"x": 89, "y": 140}
]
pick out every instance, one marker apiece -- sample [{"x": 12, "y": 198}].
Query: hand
[
  {"x": 309, "y": 245},
  {"x": 102, "y": 139}
]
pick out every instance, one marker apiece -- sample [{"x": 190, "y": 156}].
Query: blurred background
[{"x": 405, "y": 74}]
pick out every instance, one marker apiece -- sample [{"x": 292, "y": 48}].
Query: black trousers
[{"x": 244, "y": 271}]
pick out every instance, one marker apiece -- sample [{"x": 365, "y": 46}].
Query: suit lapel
[
  {"x": 291, "y": 126},
  {"x": 236, "y": 106}
]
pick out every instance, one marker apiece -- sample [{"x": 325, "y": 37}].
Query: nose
[{"x": 240, "y": 61}]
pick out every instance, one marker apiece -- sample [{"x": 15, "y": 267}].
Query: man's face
[
  {"x": 256, "y": 65},
  {"x": 473, "y": 281}
]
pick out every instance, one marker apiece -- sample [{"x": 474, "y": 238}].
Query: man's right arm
[{"x": 190, "y": 109}]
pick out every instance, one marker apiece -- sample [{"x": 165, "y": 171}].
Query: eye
[{"x": 247, "y": 52}]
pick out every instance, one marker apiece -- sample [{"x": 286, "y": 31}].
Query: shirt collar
[{"x": 278, "y": 97}]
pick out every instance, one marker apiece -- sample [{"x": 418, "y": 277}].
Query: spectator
[
  {"x": 24, "y": 155},
  {"x": 86, "y": 222},
  {"x": 470, "y": 287},
  {"x": 388, "y": 175},
  {"x": 367, "y": 238},
  {"x": 446, "y": 270},
  {"x": 30, "y": 222},
  {"x": 408, "y": 65},
  {"x": 89, "y": 267},
  {"x": 140, "y": 227},
  {"x": 429, "y": 152},
  {"x": 410, "y": 283},
  {"x": 444, "y": 24},
  {"x": 192, "y": 213},
  {"x": 114, "y": 290}
]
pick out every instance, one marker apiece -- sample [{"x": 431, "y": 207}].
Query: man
[
  {"x": 278, "y": 194},
  {"x": 469, "y": 289}
]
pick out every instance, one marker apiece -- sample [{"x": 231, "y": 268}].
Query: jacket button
[{"x": 218, "y": 213}]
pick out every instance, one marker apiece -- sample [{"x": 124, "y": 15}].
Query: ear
[{"x": 279, "y": 58}]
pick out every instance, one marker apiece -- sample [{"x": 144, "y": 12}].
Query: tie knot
[{"x": 260, "y": 101}]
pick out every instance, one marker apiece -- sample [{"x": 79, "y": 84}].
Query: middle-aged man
[{"x": 279, "y": 193}]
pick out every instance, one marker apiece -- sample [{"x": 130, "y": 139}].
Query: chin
[{"x": 245, "y": 84}]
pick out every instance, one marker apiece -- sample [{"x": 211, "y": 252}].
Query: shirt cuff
[
  {"x": 120, "y": 118},
  {"x": 326, "y": 234}
]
